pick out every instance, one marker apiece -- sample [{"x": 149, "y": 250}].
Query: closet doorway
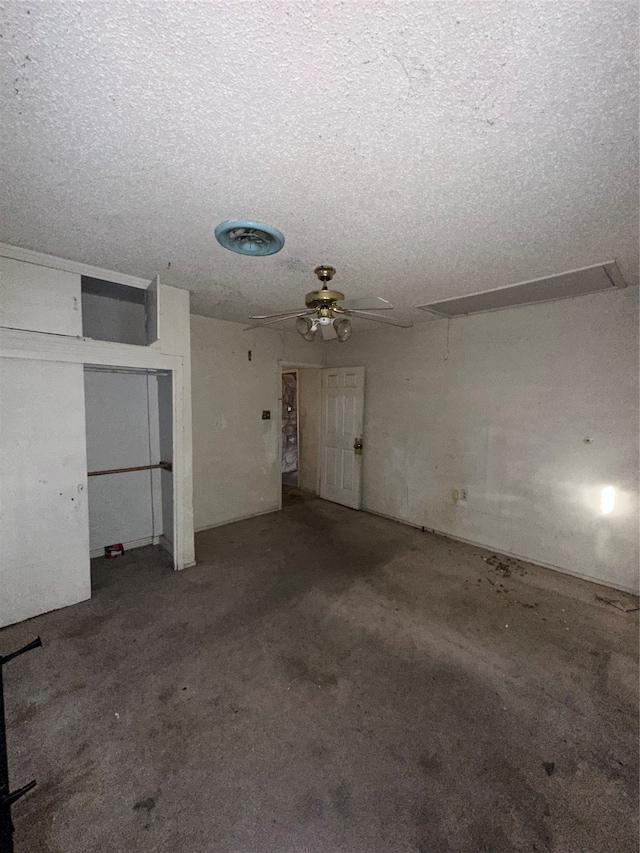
[{"x": 129, "y": 428}]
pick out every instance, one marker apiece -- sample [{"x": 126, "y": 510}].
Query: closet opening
[
  {"x": 119, "y": 313},
  {"x": 129, "y": 429}
]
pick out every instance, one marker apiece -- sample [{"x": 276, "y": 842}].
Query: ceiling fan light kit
[
  {"x": 246, "y": 237},
  {"x": 324, "y": 313}
]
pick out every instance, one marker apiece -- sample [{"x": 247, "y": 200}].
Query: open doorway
[
  {"x": 290, "y": 427},
  {"x": 129, "y": 426},
  {"x": 300, "y": 431}
]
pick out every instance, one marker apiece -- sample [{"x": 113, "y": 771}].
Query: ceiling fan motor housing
[{"x": 322, "y": 298}]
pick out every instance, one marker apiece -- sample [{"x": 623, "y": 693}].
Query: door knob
[{"x": 357, "y": 446}]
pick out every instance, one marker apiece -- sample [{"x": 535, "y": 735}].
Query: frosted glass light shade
[
  {"x": 306, "y": 328},
  {"x": 344, "y": 330}
]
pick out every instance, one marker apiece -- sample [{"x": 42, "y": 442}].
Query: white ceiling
[{"x": 425, "y": 149}]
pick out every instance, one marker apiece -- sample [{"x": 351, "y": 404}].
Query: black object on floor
[{"x": 7, "y": 798}]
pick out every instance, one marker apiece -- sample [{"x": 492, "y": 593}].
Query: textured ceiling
[{"x": 425, "y": 149}]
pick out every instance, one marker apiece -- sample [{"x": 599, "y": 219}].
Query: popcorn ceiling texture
[{"x": 425, "y": 149}]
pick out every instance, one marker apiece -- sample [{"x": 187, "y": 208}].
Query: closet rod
[{"x": 167, "y": 466}]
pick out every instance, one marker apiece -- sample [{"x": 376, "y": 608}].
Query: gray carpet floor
[{"x": 325, "y": 680}]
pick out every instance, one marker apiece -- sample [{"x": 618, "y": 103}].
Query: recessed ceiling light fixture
[{"x": 246, "y": 237}]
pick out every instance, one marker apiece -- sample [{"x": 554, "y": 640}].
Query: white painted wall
[
  {"x": 237, "y": 470},
  {"x": 501, "y": 404},
  {"x": 296, "y": 352},
  {"x": 122, "y": 431},
  {"x": 44, "y": 553}
]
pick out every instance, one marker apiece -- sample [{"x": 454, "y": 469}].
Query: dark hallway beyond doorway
[{"x": 290, "y": 428}]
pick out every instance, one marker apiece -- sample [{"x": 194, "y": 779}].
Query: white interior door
[{"x": 342, "y": 410}]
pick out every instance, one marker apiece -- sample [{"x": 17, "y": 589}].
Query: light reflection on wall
[
  {"x": 607, "y": 499},
  {"x": 604, "y": 499}
]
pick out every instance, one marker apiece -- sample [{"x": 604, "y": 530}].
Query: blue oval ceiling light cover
[{"x": 249, "y": 238}]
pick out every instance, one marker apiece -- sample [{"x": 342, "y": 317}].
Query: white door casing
[
  {"x": 151, "y": 313},
  {"x": 342, "y": 414}
]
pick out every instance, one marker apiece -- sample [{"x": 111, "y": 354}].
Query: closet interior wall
[{"x": 123, "y": 431}]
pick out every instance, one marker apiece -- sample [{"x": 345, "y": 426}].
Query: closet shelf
[{"x": 167, "y": 466}]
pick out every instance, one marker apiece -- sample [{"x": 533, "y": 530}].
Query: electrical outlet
[{"x": 463, "y": 494}]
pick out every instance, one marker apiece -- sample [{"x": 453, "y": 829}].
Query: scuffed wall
[
  {"x": 534, "y": 411},
  {"x": 236, "y": 453}
]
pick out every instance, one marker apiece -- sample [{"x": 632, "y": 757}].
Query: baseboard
[
  {"x": 165, "y": 543},
  {"x": 307, "y": 491},
  {"x": 533, "y": 560},
  {"x": 234, "y": 520},
  {"x": 128, "y": 546}
]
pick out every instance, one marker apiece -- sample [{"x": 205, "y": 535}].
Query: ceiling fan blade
[
  {"x": 366, "y": 303},
  {"x": 366, "y": 315},
  {"x": 289, "y": 313},
  {"x": 277, "y": 320},
  {"x": 328, "y": 332}
]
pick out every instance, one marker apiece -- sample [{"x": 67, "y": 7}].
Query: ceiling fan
[{"x": 329, "y": 311}]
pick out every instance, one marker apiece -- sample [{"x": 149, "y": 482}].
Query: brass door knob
[{"x": 357, "y": 447}]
